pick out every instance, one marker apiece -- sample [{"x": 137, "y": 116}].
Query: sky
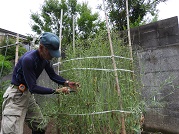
[{"x": 15, "y": 14}]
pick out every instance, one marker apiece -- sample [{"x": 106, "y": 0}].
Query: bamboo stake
[
  {"x": 128, "y": 29},
  {"x": 115, "y": 73},
  {"x": 60, "y": 37},
  {"x": 32, "y": 43},
  {"x": 129, "y": 37},
  {"x": 73, "y": 33},
  {"x": 59, "y": 61},
  {"x": 17, "y": 49}
]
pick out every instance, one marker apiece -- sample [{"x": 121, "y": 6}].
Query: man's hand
[
  {"x": 72, "y": 85},
  {"x": 64, "y": 90}
]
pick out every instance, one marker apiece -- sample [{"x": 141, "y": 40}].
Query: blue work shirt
[{"x": 29, "y": 68}]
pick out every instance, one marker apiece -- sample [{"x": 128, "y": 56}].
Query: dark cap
[{"x": 51, "y": 42}]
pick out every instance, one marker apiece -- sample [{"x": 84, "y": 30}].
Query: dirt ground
[{"x": 50, "y": 129}]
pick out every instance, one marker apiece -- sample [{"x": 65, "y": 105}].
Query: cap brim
[{"x": 54, "y": 53}]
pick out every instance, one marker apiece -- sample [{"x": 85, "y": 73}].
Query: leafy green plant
[
  {"x": 5, "y": 66},
  {"x": 3, "y": 87},
  {"x": 95, "y": 107}
]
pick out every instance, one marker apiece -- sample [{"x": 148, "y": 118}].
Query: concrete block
[
  {"x": 168, "y": 22},
  {"x": 148, "y": 27},
  {"x": 168, "y": 40},
  {"x": 167, "y": 31},
  {"x": 158, "y": 120},
  {"x": 148, "y": 35},
  {"x": 149, "y": 43},
  {"x": 173, "y": 39},
  {"x": 163, "y": 41}
]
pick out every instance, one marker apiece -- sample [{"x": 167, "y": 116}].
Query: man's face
[{"x": 46, "y": 55}]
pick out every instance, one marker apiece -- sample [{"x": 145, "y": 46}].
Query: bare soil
[{"x": 50, "y": 129}]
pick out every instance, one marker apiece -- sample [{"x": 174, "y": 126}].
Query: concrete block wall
[
  {"x": 161, "y": 33},
  {"x": 157, "y": 49},
  {"x": 159, "y": 76}
]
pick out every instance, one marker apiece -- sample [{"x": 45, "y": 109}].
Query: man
[{"x": 19, "y": 104}]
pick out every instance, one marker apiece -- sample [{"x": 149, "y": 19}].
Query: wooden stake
[
  {"x": 123, "y": 130},
  {"x": 129, "y": 38},
  {"x": 60, "y": 37},
  {"x": 74, "y": 34},
  {"x": 17, "y": 49},
  {"x": 59, "y": 60}
]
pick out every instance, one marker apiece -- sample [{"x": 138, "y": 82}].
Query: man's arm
[
  {"x": 54, "y": 76},
  {"x": 30, "y": 78}
]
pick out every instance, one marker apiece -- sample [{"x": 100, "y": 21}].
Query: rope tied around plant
[{"x": 103, "y": 112}]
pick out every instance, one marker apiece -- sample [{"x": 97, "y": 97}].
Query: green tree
[
  {"x": 88, "y": 23},
  {"x": 138, "y": 9},
  {"x": 49, "y": 19}
]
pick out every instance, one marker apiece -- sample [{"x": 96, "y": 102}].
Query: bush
[
  {"x": 5, "y": 66},
  {"x": 3, "y": 86}
]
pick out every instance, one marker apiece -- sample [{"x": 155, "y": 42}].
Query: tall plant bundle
[{"x": 95, "y": 107}]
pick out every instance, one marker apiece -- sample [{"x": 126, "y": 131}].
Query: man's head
[{"x": 51, "y": 42}]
